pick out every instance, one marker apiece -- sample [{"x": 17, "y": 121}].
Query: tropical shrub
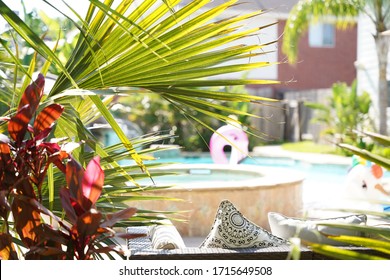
[
  {"x": 345, "y": 113},
  {"x": 25, "y": 157}
]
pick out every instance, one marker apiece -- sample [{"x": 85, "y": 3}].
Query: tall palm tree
[{"x": 344, "y": 11}]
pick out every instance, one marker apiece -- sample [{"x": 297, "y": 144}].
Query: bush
[{"x": 345, "y": 113}]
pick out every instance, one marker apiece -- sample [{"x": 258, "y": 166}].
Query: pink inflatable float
[{"x": 229, "y": 135}]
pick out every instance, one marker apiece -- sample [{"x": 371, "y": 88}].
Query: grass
[{"x": 310, "y": 147}]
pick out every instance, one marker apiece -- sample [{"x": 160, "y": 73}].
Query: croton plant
[{"x": 25, "y": 156}]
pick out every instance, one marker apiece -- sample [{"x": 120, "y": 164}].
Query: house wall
[
  {"x": 264, "y": 36},
  {"x": 367, "y": 63},
  {"x": 319, "y": 67},
  {"x": 309, "y": 80}
]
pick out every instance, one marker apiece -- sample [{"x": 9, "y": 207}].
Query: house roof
[{"x": 276, "y": 6}]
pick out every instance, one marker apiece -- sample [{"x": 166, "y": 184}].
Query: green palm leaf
[
  {"x": 342, "y": 253},
  {"x": 156, "y": 46},
  {"x": 385, "y": 162}
]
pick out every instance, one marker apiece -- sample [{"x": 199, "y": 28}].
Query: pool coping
[
  {"x": 269, "y": 177},
  {"x": 276, "y": 151}
]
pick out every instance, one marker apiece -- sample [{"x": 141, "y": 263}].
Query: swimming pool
[{"x": 323, "y": 182}]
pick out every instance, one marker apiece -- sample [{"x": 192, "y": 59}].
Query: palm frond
[{"x": 128, "y": 48}]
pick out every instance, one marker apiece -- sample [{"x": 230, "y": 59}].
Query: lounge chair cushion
[
  {"x": 232, "y": 230},
  {"x": 309, "y": 230},
  {"x": 166, "y": 236},
  {"x": 139, "y": 243},
  {"x": 160, "y": 236}
]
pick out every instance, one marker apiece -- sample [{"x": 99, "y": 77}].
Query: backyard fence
[{"x": 290, "y": 120}]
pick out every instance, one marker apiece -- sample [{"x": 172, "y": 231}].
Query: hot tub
[{"x": 254, "y": 190}]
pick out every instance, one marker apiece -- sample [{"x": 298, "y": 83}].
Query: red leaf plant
[{"x": 25, "y": 156}]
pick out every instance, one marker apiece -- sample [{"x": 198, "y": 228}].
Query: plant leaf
[
  {"x": 112, "y": 219},
  {"x": 67, "y": 205},
  {"x": 379, "y": 245},
  {"x": 342, "y": 253},
  {"x": 18, "y": 125},
  {"x": 26, "y": 217},
  {"x": 33, "y": 94},
  {"x": 7, "y": 249},
  {"x": 88, "y": 223},
  {"x": 74, "y": 178},
  {"x": 32, "y": 38},
  {"x": 381, "y": 139},
  {"x": 93, "y": 180},
  {"x": 47, "y": 117},
  {"x": 382, "y": 161}
]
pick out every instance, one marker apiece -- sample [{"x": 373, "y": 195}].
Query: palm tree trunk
[{"x": 382, "y": 45}]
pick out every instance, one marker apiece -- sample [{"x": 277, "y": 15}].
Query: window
[{"x": 322, "y": 35}]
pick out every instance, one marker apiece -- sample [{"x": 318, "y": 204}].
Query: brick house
[
  {"x": 319, "y": 66},
  {"x": 326, "y": 54}
]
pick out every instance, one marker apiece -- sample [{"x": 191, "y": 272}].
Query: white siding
[
  {"x": 270, "y": 52},
  {"x": 264, "y": 36},
  {"x": 367, "y": 63}
]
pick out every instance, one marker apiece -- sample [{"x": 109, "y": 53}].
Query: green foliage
[
  {"x": 59, "y": 33},
  {"x": 156, "y": 56},
  {"x": 26, "y": 154},
  {"x": 380, "y": 159},
  {"x": 125, "y": 49},
  {"x": 345, "y": 112},
  {"x": 154, "y": 114}
]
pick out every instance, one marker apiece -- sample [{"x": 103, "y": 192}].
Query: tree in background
[{"x": 344, "y": 11}]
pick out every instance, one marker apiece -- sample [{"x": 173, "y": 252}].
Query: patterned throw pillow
[
  {"x": 232, "y": 230},
  {"x": 308, "y": 230}
]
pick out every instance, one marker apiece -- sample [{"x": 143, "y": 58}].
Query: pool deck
[{"x": 315, "y": 158}]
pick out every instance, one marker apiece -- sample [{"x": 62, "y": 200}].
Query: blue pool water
[{"x": 323, "y": 182}]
